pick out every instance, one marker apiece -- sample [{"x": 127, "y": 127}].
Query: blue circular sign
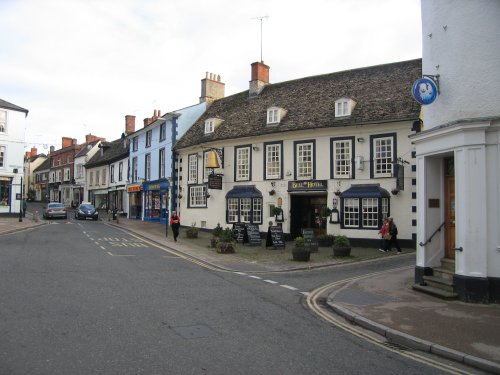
[{"x": 424, "y": 91}]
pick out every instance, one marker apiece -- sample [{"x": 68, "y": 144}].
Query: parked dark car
[
  {"x": 86, "y": 210},
  {"x": 54, "y": 210}
]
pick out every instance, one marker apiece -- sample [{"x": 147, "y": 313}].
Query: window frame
[
  {"x": 162, "y": 162},
  {"x": 3, "y": 128},
  {"x": 273, "y": 116},
  {"x": 358, "y": 216},
  {"x": 234, "y": 210},
  {"x": 147, "y": 167},
  {"x": 192, "y": 168},
  {"x": 120, "y": 171},
  {"x": 373, "y": 155},
  {"x": 135, "y": 143},
  {"x": 333, "y": 164},
  {"x": 343, "y": 107},
  {"x": 134, "y": 169},
  {"x": 192, "y": 196},
  {"x": 112, "y": 173},
  {"x": 209, "y": 126},
  {"x": 296, "y": 145},
  {"x": 3, "y": 156},
  {"x": 149, "y": 137},
  {"x": 239, "y": 165},
  {"x": 163, "y": 131},
  {"x": 267, "y": 175}
]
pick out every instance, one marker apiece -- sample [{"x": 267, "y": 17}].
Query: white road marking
[
  {"x": 271, "y": 281},
  {"x": 289, "y": 287},
  {"x": 255, "y": 277},
  {"x": 120, "y": 255}
]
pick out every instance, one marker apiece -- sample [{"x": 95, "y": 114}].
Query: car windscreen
[
  {"x": 56, "y": 205},
  {"x": 86, "y": 207}
]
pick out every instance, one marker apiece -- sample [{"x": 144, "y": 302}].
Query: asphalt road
[{"x": 86, "y": 298}]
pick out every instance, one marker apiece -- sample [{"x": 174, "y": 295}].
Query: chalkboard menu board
[
  {"x": 310, "y": 239},
  {"x": 239, "y": 232},
  {"x": 275, "y": 237},
  {"x": 253, "y": 235}
]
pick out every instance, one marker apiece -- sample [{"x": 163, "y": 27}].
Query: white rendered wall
[{"x": 461, "y": 43}]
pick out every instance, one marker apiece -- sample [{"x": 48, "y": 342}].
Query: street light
[{"x": 21, "y": 202}]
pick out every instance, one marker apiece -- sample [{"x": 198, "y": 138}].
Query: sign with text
[
  {"x": 214, "y": 182},
  {"x": 253, "y": 235},
  {"x": 310, "y": 239},
  {"x": 275, "y": 237},
  {"x": 239, "y": 232},
  {"x": 309, "y": 185}
]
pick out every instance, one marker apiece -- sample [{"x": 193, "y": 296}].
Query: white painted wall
[{"x": 461, "y": 44}]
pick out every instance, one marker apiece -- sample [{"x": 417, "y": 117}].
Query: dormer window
[
  {"x": 274, "y": 115},
  {"x": 344, "y": 107},
  {"x": 211, "y": 124}
]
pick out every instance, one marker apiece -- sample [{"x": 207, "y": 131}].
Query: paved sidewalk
[{"x": 385, "y": 303}]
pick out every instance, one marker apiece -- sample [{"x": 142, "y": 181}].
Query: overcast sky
[{"x": 80, "y": 66}]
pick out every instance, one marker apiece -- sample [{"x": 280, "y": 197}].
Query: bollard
[
  {"x": 117, "y": 217},
  {"x": 35, "y": 216}
]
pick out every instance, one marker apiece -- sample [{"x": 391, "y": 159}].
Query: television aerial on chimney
[{"x": 261, "y": 18}]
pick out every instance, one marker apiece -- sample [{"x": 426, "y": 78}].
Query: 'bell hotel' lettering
[{"x": 309, "y": 185}]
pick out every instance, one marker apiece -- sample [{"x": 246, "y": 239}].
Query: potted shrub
[
  {"x": 225, "y": 243},
  {"x": 192, "y": 232},
  {"x": 325, "y": 240},
  {"x": 216, "y": 233},
  {"x": 341, "y": 246},
  {"x": 325, "y": 211},
  {"x": 300, "y": 252}
]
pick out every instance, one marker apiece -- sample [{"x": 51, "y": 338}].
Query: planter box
[
  {"x": 341, "y": 251},
  {"x": 225, "y": 248},
  {"x": 301, "y": 254}
]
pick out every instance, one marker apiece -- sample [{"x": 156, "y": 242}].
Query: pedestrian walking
[
  {"x": 393, "y": 231},
  {"x": 175, "y": 223},
  {"x": 384, "y": 235},
  {"x": 25, "y": 207}
]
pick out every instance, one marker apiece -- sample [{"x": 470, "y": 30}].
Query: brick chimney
[
  {"x": 260, "y": 78},
  {"x": 211, "y": 88},
  {"x": 52, "y": 149},
  {"x": 149, "y": 120},
  {"x": 66, "y": 142},
  {"x": 34, "y": 151},
  {"x": 89, "y": 138},
  {"x": 129, "y": 124}
]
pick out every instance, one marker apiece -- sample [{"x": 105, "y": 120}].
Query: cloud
[{"x": 80, "y": 66}]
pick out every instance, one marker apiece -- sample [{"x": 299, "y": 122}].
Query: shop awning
[
  {"x": 244, "y": 191},
  {"x": 365, "y": 191}
]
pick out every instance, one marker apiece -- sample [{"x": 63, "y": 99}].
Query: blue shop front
[{"x": 156, "y": 198}]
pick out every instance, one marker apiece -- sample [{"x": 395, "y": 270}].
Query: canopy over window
[
  {"x": 244, "y": 191},
  {"x": 365, "y": 191}
]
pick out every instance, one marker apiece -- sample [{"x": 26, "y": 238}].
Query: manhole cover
[{"x": 194, "y": 332}]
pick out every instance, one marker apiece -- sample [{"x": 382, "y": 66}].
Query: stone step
[
  {"x": 436, "y": 292},
  {"x": 443, "y": 273},
  {"x": 439, "y": 283},
  {"x": 448, "y": 264}
]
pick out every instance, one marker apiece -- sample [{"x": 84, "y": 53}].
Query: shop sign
[
  {"x": 214, "y": 182},
  {"x": 133, "y": 189},
  {"x": 308, "y": 185}
]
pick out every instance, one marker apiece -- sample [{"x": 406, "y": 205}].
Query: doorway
[
  {"x": 304, "y": 213},
  {"x": 449, "y": 199}
]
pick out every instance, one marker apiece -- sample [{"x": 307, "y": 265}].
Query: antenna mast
[{"x": 261, "y": 18}]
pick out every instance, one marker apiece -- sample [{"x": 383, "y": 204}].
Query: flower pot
[
  {"x": 214, "y": 241},
  {"x": 341, "y": 251},
  {"x": 301, "y": 254}
]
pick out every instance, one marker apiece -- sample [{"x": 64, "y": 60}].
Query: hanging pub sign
[
  {"x": 425, "y": 90},
  {"x": 214, "y": 182}
]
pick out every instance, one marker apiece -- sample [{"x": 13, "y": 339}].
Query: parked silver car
[{"x": 54, "y": 210}]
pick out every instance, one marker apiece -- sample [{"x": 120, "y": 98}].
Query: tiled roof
[
  {"x": 113, "y": 151},
  {"x": 13, "y": 107},
  {"x": 85, "y": 149},
  {"x": 45, "y": 166},
  {"x": 382, "y": 94}
]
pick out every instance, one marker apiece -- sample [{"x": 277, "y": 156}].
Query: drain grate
[
  {"x": 194, "y": 332},
  {"x": 395, "y": 346}
]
